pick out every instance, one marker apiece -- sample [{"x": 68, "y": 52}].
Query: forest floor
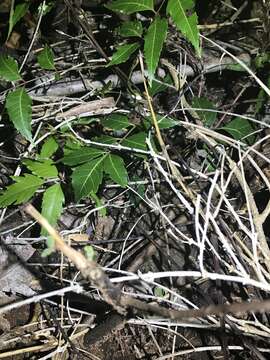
[{"x": 189, "y": 227}]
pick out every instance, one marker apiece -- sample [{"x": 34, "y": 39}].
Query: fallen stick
[{"x": 92, "y": 272}]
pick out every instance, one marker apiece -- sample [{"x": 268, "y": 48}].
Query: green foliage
[
  {"x": 131, "y": 29},
  {"x": 164, "y": 122},
  {"x": 136, "y": 141},
  {"x": 240, "y": 129},
  {"x": 159, "y": 292},
  {"x": 89, "y": 252},
  {"x": 52, "y": 205},
  {"x": 114, "y": 166},
  {"x": 106, "y": 139},
  {"x": 18, "y": 104},
  {"x": 45, "y": 58},
  {"x": 16, "y": 15},
  {"x": 46, "y": 7},
  {"x": 20, "y": 192},
  {"x": 48, "y": 148},
  {"x": 115, "y": 122},
  {"x": 81, "y": 155},
  {"x": 123, "y": 53},
  {"x": 153, "y": 43},
  {"x": 158, "y": 85},
  {"x": 262, "y": 59},
  {"x": 208, "y": 117},
  {"x": 131, "y": 6},
  {"x": 50, "y": 247},
  {"x": 9, "y": 68},
  {"x": 179, "y": 11},
  {"x": 44, "y": 169},
  {"x": 182, "y": 14},
  {"x": 26, "y": 186},
  {"x": 91, "y": 166},
  {"x": 87, "y": 178},
  {"x": 99, "y": 204}
]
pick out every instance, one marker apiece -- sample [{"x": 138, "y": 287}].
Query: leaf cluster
[{"x": 91, "y": 166}]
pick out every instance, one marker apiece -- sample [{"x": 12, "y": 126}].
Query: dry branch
[{"x": 92, "y": 272}]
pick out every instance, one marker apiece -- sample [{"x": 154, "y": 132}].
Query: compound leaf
[
  {"x": 130, "y": 6},
  {"x": 188, "y": 25},
  {"x": 114, "y": 166},
  {"x": 122, "y": 54},
  {"x": 153, "y": 43},
  {"x": 23, "y": 189},
  {"x": 18, "y": 104},
  {"x": 9, "y": 68}
]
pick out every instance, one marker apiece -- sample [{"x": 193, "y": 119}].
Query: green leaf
[
  {"x": 160, "y": 85},
  {"x": 115, "y": 122},
  {"x": 164, "y": 122},
  {"x": 16, "y": 15},
  {"x": 79, "y": 156},
  {"x": 240, "y": 129},
  {"x": 44, "y": 169},
  {"x": 106, "y": 139},
  {"x": 48, "y": 148},
  {"x": 122, "y": 54},
  {"x": 87, "y": 178},
  {"x": 52, "y": 205},
  {"x": 188, "y": 25},
  {"x": 9, "y": 68},
  {"x": 21, "y": 191},
  {"x": 99, "y": 204},
  {"x": 159, "y": 292},
  {"x": 235, "y": 67},
  {"x": 79, "y": 121},
  {"x": 50, "y": 247},
  {"x": 262, "y": 59},
  {"x": 131, "y": 28},
  {"x": 130, "y": 6},
  {"x": 45, "y": 58},
  {"x": 153, "y": 43},
  {"x": 114, "y": 166},
  {"x": 18, "y": 104},
  {"x": 136, "y": 141},
  {"x": 46, "y": 8},
  {"x": 70, "y": 146},
  {"x": 208, "y": 117},
  {"x": 89, "y": 252}
]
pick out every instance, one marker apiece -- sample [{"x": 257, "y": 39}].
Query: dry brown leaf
[
  {"x": 14, "y": 40},
  {"x": 78, "y": 237}
]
